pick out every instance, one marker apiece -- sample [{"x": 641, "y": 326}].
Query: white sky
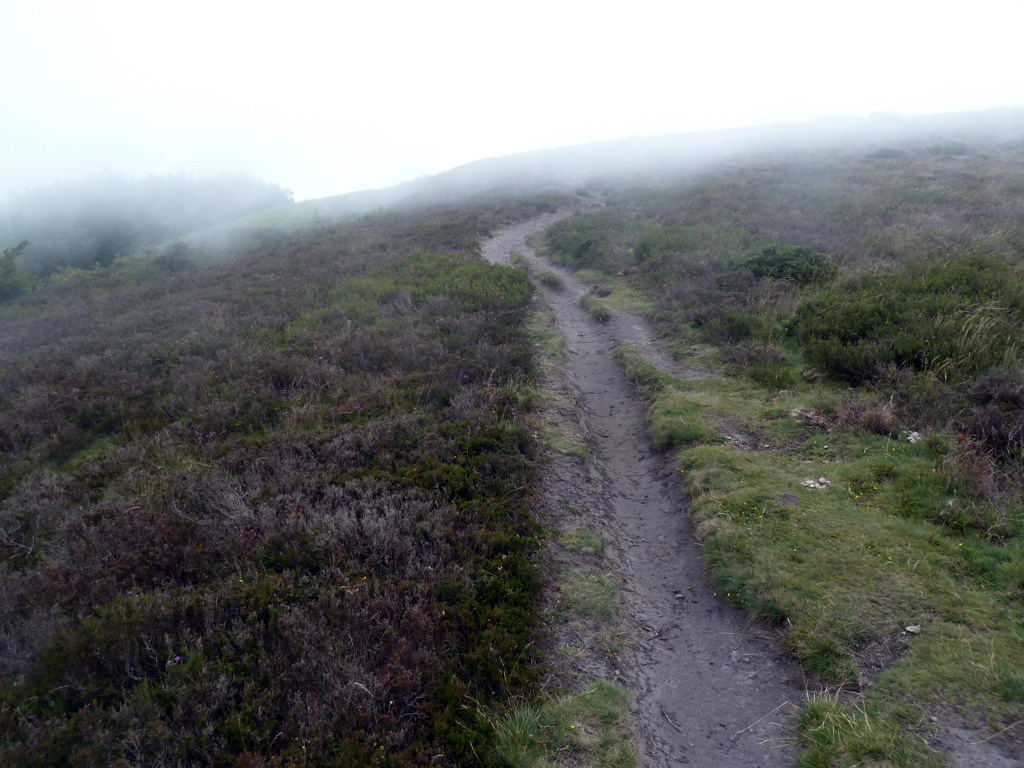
[{"x": 328, "y": 97}]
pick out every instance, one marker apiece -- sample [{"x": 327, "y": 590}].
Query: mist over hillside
[
  {"x": 90, "y": 221},
  {"x": 94, "y": 220},
  {"x": 565, "y": 168}
]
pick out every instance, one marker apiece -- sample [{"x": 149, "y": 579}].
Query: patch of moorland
[
  {"x": 274, "y": 511},
  {"x": 854, "y": 462}
]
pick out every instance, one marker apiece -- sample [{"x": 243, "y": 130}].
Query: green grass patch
[
  {"x": 641, "y": 373},
  {"x": 587, "y": 728},
  {"x": 547, "y": 341},
  {"x": 557, "y": 439},
  {"x": 589, "y": 595},
  {"x": 615, "y": 291},
  {"x": 837, "y": 735},
  {"x": 674, "y": 422},
  {"x": 582, "y": 540}
]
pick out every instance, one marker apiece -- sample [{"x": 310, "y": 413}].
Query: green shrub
[
  {"x": 796, "y": 263},
  {"x": 551, "y": 280},
  {"x": 956, "y": 319},
  {"x": 731, "y": 327},
  {"x": 598, "y": 239},
  {"x": 763, "y": 363},
  {"x": 667, "y": 240}
]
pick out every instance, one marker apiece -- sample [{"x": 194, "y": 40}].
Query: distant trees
[
  {"x": 12, "y": 282},
  {"x": 92, "y": 222}
]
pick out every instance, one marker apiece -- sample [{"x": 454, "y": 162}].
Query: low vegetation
[
  {"x": 854, "y": 457},
  {"x": 878, "y": 573},
  {"x": 550, "y": 279},
  {"x": 592, "y": 726},
  {"x": 272, "y": 512},
  {"x": 957, "y": 319},
  {"x": 596, "y": 308}
]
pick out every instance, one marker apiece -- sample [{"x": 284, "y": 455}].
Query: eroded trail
[{"x": 709, "y": 691}]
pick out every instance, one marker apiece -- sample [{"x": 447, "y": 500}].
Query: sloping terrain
[
  {"x": 272, "y": 512},
  {"x": 852, "y": 455}
]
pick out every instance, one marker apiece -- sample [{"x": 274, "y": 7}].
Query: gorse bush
[{"x": 957, "y": 319}]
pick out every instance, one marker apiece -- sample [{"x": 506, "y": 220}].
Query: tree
[{"x": 12, "y": 284}]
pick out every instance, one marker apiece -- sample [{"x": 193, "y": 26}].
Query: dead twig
[
  {"x": 997, "y": 733},
  {"x": 669, "y": 719},
  {"x": 783, "y": 704}
]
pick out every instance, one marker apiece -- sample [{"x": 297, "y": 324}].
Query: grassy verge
[
  {"x": 848, "y": 541},
  {"x": 587, "y": 728}
]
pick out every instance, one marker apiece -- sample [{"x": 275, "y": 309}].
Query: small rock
[{"x": 914, "y": 629}]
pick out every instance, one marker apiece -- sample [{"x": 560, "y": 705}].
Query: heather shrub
[
  {"x": 272, "y": 511},
  {"x": 763, "y": 363},
  {"x": 798, "y": 264},
  {"x": 599, "y": 239},
  {"x": 867, "y": 416},
  {"x": 957, "y": 319}
]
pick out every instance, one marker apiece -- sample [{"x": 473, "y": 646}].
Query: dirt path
[{"x": 709, "y": 690}]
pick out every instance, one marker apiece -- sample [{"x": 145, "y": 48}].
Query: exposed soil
[{"x": 709, "y": 689}]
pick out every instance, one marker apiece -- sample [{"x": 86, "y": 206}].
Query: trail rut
[{"x": 709, "y": 690}]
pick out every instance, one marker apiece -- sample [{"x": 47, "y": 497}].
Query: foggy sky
[{"x": 325, "y": 98}]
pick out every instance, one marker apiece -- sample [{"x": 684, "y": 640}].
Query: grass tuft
[
  {"x": 582, "y": 540},
  {"x": 590, "y": 727},
  {"x": 596, "y": 308}
]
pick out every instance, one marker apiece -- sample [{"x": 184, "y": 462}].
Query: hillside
[
  {"x": 344, "y": 495},
  {"x": 270, "y": 511},
  {"x": 852, "y": 445}
]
